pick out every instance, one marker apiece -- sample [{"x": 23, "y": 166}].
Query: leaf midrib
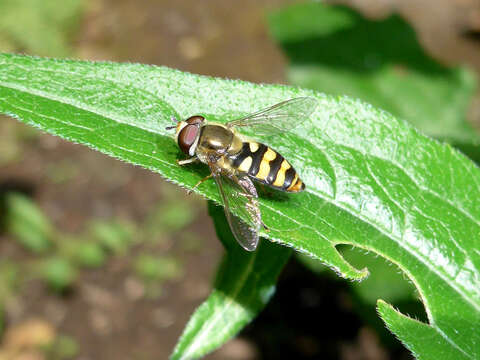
[
  {"x": 127, "y": 122},
  {"x": 82, "y": 106}
]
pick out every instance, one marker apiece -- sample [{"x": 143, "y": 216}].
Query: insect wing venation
[
  {"x": 239, "y": 196},
  {"x": 278, "y": 118}
]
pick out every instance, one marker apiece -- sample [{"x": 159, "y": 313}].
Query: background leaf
[
  {"x": 245, "y": 283},
  {"x": 336, "y": 50},
  {"x": 39, "y": 26},
  {"x": 59, "y": 273},
  {"x": 27, "y": 223},
  {"x": 372, "y": 181}
]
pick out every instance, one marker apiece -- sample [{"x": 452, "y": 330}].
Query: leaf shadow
[{"x": 270, "y": 193}]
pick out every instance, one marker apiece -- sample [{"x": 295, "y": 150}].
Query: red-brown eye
[
  {"x": 187, "y": 137},
  {"x": 195, "y": 120}
]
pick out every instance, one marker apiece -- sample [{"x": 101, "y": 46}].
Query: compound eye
[
  {"x": 195, "y": 120},
  {"x": 187, "y": 137}
]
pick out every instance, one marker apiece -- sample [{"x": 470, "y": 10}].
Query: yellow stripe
[
  {"x": 245, "y": 165},
  {"x": 297, "y": 187},
  {"x": 294, "y": 182},
  {"x": 280, "y": 179},
  {"x": 263, "y": 171},
  {"x": 269, "y": 155},
  {"x": 253, "y": 146}
]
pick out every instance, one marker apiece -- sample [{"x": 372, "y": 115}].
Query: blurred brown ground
[{"x": 213, "y": 37}]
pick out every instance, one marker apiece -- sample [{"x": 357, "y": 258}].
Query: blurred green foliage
[
  {"x": 90, "y": 254},
  {"x": 190, "y": 241},
  {"x": 10, "y": 148},
  {"x": 9, "y": 274},
  {"x": 336, "y": 50},
  {"x": 8, "y": 286},
  {"x": 153, "y": 270},
  {"x": 63, "y": 347},
  {"x": 13, "y": 140},
  {"x": 61, "y": 172},
  {"x": 40, "y": 27},
  {"x": 27, "y": 223},
  {"x": 66, "y": 254},
  {"x": 114, "y": 236},
  {"x": 173, "y": 216},
  {"x": 59, "y": 273},
  {"x": 170, "y": 216}
]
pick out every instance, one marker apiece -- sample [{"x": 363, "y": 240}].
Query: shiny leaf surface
[{"x": 372, "y": 181}]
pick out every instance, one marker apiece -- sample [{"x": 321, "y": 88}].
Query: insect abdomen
[{"x": 267, "y": 166}]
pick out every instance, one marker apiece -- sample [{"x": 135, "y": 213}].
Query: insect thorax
[{"x": 217, "y": 138}]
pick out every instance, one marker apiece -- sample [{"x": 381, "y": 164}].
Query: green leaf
[
  {"x": 27, "y": 223},
  {"x": 59, "y": 273},
  {"x": 384, "y": 281},
  {"x": 154, "y": 268},
  {"x": 372, "y": 180},
  {"x": 165, "y": 217},
  {"x": 424, "y": 341},
  {"x": 245, "y": 283},
  {"x": 115, "y": 235},
  {"x": 62, "y": 348},
  {"x": 335, "y": 50},
  {"x": 9, "y": 279},
  {"x": 89, "y": 254}
]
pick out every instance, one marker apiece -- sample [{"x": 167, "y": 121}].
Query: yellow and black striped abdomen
[{"x": 267, "y": 166}]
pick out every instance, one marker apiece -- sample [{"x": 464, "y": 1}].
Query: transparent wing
[
  {"x": 240, "y": 196},
  {"x": 279, "y": 118}
]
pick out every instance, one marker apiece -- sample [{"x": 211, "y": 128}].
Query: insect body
[
  {"x": 235, "y": 161},
  {"x": 267, "y": 166}
]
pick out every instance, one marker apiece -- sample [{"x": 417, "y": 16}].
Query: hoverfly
[{"x": 235, "y": 161}]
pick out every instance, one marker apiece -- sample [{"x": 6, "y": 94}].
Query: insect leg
[
  {"x": 186, "y": 161},
  {"x": 198, "y": 183}
]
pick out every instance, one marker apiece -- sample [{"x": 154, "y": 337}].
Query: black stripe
[
  {"x": 275, "y": 165},
  {"x": 289, "y": 176},
  {"x": 238, "y": 158},
  {"x": 257, "y": 158}
]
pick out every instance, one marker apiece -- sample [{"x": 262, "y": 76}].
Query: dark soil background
[{"x": 106, "y": 312}]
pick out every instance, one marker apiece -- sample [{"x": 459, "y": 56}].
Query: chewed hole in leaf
[{"x": 386, "y": 281}]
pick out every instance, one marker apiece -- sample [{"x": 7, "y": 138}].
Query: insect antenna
[{"x": 174, "y": 119}]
